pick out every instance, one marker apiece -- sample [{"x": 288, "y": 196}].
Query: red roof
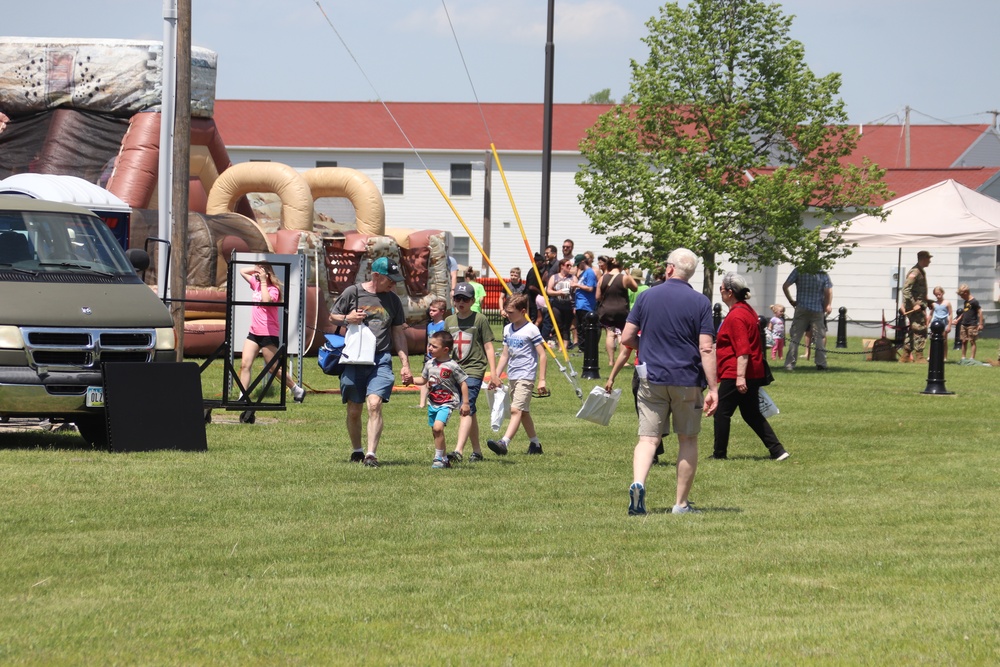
[
  {"x": 904, "y": 181},
  {"x": 931, "y": 146},
  {"x": 518, "y": 127},
  {"x": 429, "y": 126}
]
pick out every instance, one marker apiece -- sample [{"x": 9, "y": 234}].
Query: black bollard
[
  {"x": 842, "y": 328},
  {"x": 958, "y": 337},
  {"x": 591, "y": 339},
  {"x": 717, "y": 316},
  {"x": 935, "y": 369},
  {"x": 762, "y": 323}
]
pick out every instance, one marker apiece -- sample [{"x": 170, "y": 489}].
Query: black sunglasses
[{"x": 462, "y": 298}]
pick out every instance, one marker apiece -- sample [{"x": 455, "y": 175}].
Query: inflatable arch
[
  {"x": 247, "y": 177},
  {"x": 355, "y": 186}
]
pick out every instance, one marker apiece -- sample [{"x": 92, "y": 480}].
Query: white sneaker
[
  {"x": 298, "y": 394},
  {"x": 783, "y": 457}
]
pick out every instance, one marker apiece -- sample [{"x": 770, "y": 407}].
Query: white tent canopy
[{"x": 942, "y": 215}]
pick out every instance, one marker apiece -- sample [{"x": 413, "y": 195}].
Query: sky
[{"x": 938, "y": 58}]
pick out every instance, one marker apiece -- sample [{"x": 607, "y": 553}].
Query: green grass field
[{"x": 874, "y": 544}]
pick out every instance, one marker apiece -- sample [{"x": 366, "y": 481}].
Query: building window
[
  {"x": 326, "y": 163},
  {"x": 461, "y": 180},
  {"x": 460, "y": 249},
  {"x": 392, "y": 178}
]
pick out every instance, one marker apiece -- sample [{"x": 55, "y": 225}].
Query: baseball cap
[
  {"x": 466, "y": 290},
  {"x": 387, "y": 268},
  {"x": 924, "y": 253},
  {"x": 578, "y": 259}
]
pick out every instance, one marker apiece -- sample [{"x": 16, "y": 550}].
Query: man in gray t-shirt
[{"x": 374, "y": 303}]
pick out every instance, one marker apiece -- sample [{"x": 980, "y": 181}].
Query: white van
[{"x": 71, "y": 301}]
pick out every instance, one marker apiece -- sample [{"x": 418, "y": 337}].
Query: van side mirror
[{"x": 139, "y": 258}]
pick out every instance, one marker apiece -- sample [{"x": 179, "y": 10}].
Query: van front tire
[{"x": 94, "y": 430}]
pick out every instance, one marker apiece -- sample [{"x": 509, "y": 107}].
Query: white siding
[{"x": 862, "y": 282}]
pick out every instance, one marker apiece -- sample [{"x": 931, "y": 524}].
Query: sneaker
[
  {"x": 820, "y": 368},
  {"x": 370, "y": 461},
  {"x": 440, "y": 463},
  {"x": 498, "y": 447},
  {"x": 534, "y": 448},
  {"x": 685, "y": 509},
  {"x": 790, "y": 368},
  {"x": 637, "y": 499},
  {"x": 782, "y": 456},
  {"x": 357, "y": 457},
  {"x": 475, "y": 456},
  {"x": 454, "y": 457},
  {"x": 298, "y": 394},
  {"x": 720, "y": 456}
]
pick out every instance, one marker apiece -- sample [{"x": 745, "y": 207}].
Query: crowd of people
[{"x": 687, "y": 369}]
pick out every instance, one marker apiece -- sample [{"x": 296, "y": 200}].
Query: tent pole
[{"x": 899, "y": 277}]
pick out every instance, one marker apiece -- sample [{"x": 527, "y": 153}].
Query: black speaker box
[{"x": 152, "y": 406}]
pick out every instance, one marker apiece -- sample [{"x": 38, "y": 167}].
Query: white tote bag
[
  {"x": 768, "y": 408},
  {"x": 499, "y": 400},
  {"x": 359, "y": 346},
  {"x": 599, "y": 406}
]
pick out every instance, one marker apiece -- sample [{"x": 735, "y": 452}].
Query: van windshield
[{"x": 59, "y": 242}]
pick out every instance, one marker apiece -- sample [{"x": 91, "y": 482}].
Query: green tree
[
  {"x": 724, "y": 141},
  {"x": 601, "y": 97}
]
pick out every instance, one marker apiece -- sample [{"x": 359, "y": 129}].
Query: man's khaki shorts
[
  {"x": 658, "y": 403},
  {"x": 520, "y": 394}
]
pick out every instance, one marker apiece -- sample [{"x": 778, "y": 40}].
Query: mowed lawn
[{"x": 875, "y": 543}]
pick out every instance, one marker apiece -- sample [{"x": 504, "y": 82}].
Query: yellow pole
[
  {"x": 468, "y": 231},
  {"x": 531, "y": 255}
]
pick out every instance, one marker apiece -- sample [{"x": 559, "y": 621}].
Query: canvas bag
[
  {"x": 359, "y": 346},
  {"x": 766, "y": 404},
  {"x": 599, "y": 406},
  {"x": 499, "y": 400}
]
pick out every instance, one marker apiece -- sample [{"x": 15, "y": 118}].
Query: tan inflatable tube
[
  {"x": 355, "y": 186},
  {"x": 282, "y": 180}
]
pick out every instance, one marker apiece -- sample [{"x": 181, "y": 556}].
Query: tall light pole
[{"x": 550, "y": 50}]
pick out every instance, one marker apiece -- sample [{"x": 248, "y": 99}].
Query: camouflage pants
[{"x": 916, "y": 335}]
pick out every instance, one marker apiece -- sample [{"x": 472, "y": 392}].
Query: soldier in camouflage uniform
[{"x": 915, "y": 307}]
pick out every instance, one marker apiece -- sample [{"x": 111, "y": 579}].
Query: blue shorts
[
  {"x": 359, "y": 382},
  {"x": 438, "y": 413},
  {"x": 474, "y": 384}
]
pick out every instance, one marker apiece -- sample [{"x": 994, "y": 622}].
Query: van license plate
[{"x": 95, "y": 397}]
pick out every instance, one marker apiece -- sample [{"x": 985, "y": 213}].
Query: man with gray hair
[{"x": 678, "y": 362}]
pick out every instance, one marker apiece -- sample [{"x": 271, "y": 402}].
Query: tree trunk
[{"x": 708, "y": 284}]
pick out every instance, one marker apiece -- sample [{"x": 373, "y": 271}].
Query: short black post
[
  {"x": 901, "y": 327},
  {"x": 958, "y": 336},
  {"x": 935, "y": 369},
  {"x": 762, "y": 322},
  {"x": 717, "y": 316},
  {"x": 591, "y": 339},
  {"x": 842, "y": 328}
]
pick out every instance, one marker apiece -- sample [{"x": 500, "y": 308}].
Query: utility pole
[
  {"x": 487, "y": 212},
  {"x": 181, "y": 173},
  {"x": 550, "y": 50},
  {"x": 906, "y": 130}
]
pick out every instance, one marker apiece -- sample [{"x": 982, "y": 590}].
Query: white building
[{"x": 452, "y": 142}]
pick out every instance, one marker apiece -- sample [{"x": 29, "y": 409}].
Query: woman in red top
[{"x": 740, "y": 362}]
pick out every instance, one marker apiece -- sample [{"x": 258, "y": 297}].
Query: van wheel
[{"x": 94, "y": 430}]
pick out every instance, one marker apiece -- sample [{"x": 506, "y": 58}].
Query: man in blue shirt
[
  {"x": 813, "y": 302},
  {"x": 678, "y": 362}
]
